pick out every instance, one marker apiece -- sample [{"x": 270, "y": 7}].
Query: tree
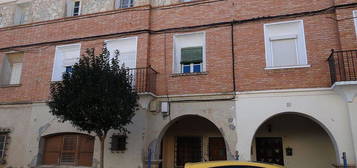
[{"x": 95, "y": 97}]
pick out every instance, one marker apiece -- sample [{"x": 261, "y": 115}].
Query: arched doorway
[
  {"x": 295, "y": 141},
  {"x": 191, "y": 138}
]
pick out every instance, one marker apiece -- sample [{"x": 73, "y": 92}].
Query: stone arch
[
  {"x": 155, "y": 145},
  {"x": 303, "y": 115}
]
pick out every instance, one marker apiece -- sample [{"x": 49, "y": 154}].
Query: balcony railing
[
  {"x": 343, "y": 65},
  {"x": 143, "y": 79}
]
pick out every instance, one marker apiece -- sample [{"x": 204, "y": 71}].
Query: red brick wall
[
  {"x": 323, "y": 33},
  {"x": 346, "y": 28},
  {"x": 321, "y": 37}
]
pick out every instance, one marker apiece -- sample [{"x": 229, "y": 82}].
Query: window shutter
[
  {"x": 52, "y": 150},
  {"x": 70, "y": 7},
  {"x": 5, "y": 74},
  {"x": 285, "y": 52},
  {"x": 69, "y": 148},
  {"x": 18, "y": 15},
  {"x": 191, "y": 55},
  {"x": 86, "y": 148},
  {"x": 16, "y": 73}
]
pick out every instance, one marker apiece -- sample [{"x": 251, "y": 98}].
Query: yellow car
[{"x": 230, "y": 164}]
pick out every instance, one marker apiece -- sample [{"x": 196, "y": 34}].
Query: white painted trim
[
  {"x": 288, "y": 67},
  {"x": 251, "y": 92},
  {"x": 344, "y": 83},
  {"x": 285, "y": 91},
  {"x": 302, "y": 55},
  {"x": 193, "y": 95},
  {"x": 203, "y": 47},
  {"x": 56, "y": 53},
  {"x": 354, "y": 14}
]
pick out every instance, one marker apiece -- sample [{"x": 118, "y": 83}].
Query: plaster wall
[
  {"x": 218, "y": 112},
  {"x": 31, "y": 122},
  {"x": 17, "y": 119},
  {"x": 323, "y": 106}
]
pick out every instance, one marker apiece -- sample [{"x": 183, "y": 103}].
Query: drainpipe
[{"x": 233, "y": 60}]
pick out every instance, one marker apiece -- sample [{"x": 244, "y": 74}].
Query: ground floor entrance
[
  {"x": 294, "y": 141},
  {"x": 192, "y": 139}
]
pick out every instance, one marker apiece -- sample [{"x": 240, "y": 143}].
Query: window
[
  {"x": 73, "y": 8},
  {"x": 66, "y": 56},
  {"x": 20, "y": 13},
  {"x": 68, "y": 149},
  {"x": 123, "y": 3},
  {"x": 189, "y": 53},
  {"x": 118, "y": 143},
  {"x": 3, "y": 139},
  {"x": 1, "y": 20},
  {"x": 285, "y": 45},
  {"x": 11, "y": 69},
  {"x": 355, "y": 20},
  {"x": 127, "y": 48}
]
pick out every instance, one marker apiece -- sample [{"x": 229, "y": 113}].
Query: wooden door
[
  {"x": 270, "y": 150},
  {"x": 217, "y": 148}
]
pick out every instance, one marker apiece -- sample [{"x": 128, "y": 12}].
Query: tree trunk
[{"x": 102, "y": 142}]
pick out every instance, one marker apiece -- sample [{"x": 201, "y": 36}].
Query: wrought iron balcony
[
  {"x": 143, "y": 79},
  {"x": 343, "y": 65}
]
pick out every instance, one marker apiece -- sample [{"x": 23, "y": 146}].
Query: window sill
[
  {"x": 10, "y": 85},
  {"x": 288, "y": 67},
  {"x": 188, "y": 74}
]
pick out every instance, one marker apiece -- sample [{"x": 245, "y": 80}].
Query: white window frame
[
  {"x": 80, "y": 7},
  {"x": 300, "y": 46},
  {"x": 119, "y": 6},
  {"x": 354, "y": 14},
  {"x": 13, "y": 80},
  {"x": 57, "y": 57},
  {"x": 176, "y": 64},
  {"x": 70, "y": 8}
]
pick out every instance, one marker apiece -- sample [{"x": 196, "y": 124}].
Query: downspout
[{"x": 233, "y": 60}]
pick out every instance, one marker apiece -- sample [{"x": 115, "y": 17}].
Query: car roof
[{"x": 230, "y": 163}]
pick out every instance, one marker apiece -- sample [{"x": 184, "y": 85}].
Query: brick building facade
[{"x": 242, "y": 91}]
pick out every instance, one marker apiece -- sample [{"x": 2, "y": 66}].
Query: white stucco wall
[
  {"x": 321, "y": 105},
  {"x": 28, "y": 123}
]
